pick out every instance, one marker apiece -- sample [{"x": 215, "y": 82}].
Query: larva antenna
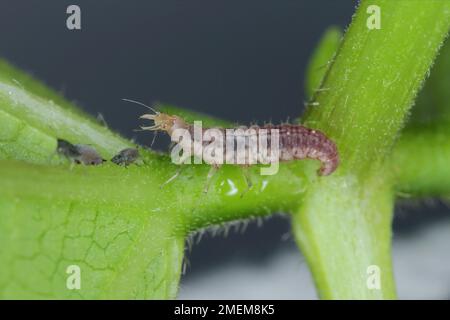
[{"x": 141, "y": 104}]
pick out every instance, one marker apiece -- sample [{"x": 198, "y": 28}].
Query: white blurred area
[{"x": 421, "y": 263}]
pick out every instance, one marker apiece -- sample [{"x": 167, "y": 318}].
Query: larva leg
[
  {"x": 248, "y": 179},
  {"x": 154, "y": 138},
  {"x": 173, "y": 177},
  {"x": 211, "y": 173}
]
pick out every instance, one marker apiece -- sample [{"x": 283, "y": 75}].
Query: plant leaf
[
  {"x": 115, "y": 223},
  {"x": 123, "y": 251}
]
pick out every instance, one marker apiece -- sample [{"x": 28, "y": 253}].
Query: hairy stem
[{"x": 343, "y": 224}]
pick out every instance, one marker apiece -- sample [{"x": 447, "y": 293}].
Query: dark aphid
[
  {"x": 66, "y": 149},
  {"x": 79, "y": 153},
  {"x": 126, "y": 157},
  {"x": 88, "y": 155}
]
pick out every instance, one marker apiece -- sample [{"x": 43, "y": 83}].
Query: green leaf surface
[
  {"x": 33, "y": 116},
  {"x": 72, "y": 218}
]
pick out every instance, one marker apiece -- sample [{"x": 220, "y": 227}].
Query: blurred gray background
[{"x": 239, "y": 60}]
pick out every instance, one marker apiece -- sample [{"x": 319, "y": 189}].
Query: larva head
[
  {"x": 161, "y": 121},
  {"x": 164, "y": 122}
]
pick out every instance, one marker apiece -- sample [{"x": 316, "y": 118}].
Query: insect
[
  {"x": 126, "y": 157},
  {"x": 296, "y": 142},
  {"x": 78, "y": 153}
]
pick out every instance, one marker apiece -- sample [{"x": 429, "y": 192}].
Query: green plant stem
[
  {"x": 321, "y": 59},
  {"x": 183, "y": 201},
  {"x": 432, "y": 106},
  {"x": 343, "y": 224},
  {"x": 421, "y": 156},
  {"x": 420, "y": 163}
]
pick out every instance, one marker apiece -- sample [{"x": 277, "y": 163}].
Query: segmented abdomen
[{"x": 299, "y": 142}]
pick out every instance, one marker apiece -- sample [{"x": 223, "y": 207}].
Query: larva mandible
[{"x": 296, "y": 142}]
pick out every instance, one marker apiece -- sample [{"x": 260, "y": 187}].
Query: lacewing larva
[
  {"x": 78, "y": 153},
  {"x": 296, "y": 142},
  {"x": 126, "y": 157}
]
